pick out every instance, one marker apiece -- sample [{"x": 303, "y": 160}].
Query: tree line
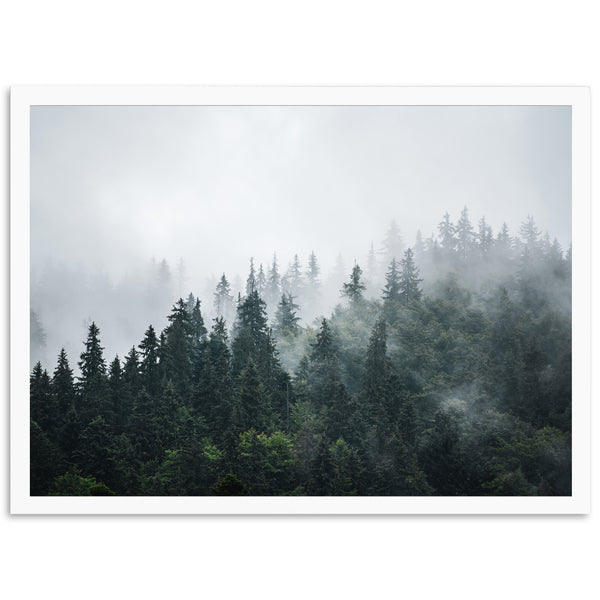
[{"x": 454, "y": 378}]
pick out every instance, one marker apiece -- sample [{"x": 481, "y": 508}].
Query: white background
[{"x": 421, "y": 43}]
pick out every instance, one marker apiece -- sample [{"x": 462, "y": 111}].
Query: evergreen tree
[
  {"x": 131, "y": 386},
  {"x": 92, "y": 385},
  {"x": 37, "y": 336},
  {"x": 286, "y": 321},
  {"x": 273, "y": 283},
  {"x": 251, "y": 331},
  {"x": 325, "y": 390},
  {"x": 44, "y": 461},
  {"x": 294, "y": 281},
  {"x": 502, "y": 247},
  {"x": 261, "y": 282},
  {"x": 253, "y": 339},
  {"x": 250, "y": 405},
  {"x": 393, "y": 245},
  {"x": 149, "y": 365},
  {"x": 131, "y": 369},
  {"x": 215, "y": 400},
  {"x": 189, "y": 304},
  {"x": 446, "y": 233},
  {"x": 354, "y": 289},
  {"x": 391, "y": 291},
  {"x": 503, "y": 241},
  {"x": 223, "y": 303},
  {"x": 251, "y": 281},
  {"x": 198, "y": 332},
  {"x": 313, "y": 271},
  {"x": 465, "y": 236},
  {"x": 93, "y": 455},
  {"x": 321, "y": 470},
  {"x": 164, "y": 417},
  {"x": 142, "y": 426},
  {"x": 43, "y": 405},
  {"x": 485, "y": 238},
  {"x": 115, "y": 385},
  {"x": 530, "y": 233},
  {"x": 63, "y": 386},
  {"x": 313, "y": 287},
  {"x": 555, "y": 261},
  {"x": 323, "y": 347},
  {"x": 386, "y": 399},
  {"x": 409, "y": 279},
  {"x": 178, "y": 348}
]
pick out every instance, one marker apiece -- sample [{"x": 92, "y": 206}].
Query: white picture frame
[{"x": 23, "y": 97}]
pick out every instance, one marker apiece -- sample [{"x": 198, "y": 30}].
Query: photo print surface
[{"x": 365, "y": 301}]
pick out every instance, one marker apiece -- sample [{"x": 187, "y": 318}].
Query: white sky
[{"x": 216, "y": 185}]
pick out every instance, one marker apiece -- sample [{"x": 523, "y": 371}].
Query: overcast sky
[{"x": 216, "y": 185}]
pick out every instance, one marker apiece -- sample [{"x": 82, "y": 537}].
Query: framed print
[{"x": 300, "y": 300}]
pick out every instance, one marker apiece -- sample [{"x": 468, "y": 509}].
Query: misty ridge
[
  {"x": 436, "y": 367},
  {"x": 67, "y": 297}
]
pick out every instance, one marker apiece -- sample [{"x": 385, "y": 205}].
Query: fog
[{"x": 117, "y": 190}]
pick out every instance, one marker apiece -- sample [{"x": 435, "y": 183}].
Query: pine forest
[{"x": 442, "y": 367}]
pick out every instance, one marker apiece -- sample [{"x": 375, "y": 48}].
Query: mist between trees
[{"x": 439, "y": 368}]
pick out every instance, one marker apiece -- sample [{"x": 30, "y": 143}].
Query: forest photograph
[{"x": 300, "y": 301}]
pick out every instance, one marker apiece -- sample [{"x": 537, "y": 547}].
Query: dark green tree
[
  {"x": 43, "y": 405},
  {"x": 215, "y": 388},
  {"x": 223, "y": 302},
  {"x": 45, "y": 461},
  {"x": 252, "y": 339},
  {"x": 250, "y": 408},
  {"x": 251, "y": 281},
  {"x": 132, "y": 383},
  {"x": 326, "y": 391},
  {"x": 115, "y": 385},
  {"x": 63, "y": 386},
  {"x": 409, "y": 279},
  {"x": 392, "y": 292},
  {"x": 198, "y": 336},
  {"x": 353, "y": 290},
  {"x": 286, "y": 319},
  {"x": 93, "y": 455},
  {"x": 266, "y": 463},
  {"x": 92, "y": 385},
  {"x": 323, "y": 347},
  {"x": 149, "y": 365},
  {"x": 178, "y": 349},
  {"x": 261, "y": 281}
]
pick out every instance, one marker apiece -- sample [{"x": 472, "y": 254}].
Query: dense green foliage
[{"x": 446, "y": 371}]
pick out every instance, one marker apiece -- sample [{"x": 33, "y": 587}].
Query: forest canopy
[{"x": 443, "y": 368}]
